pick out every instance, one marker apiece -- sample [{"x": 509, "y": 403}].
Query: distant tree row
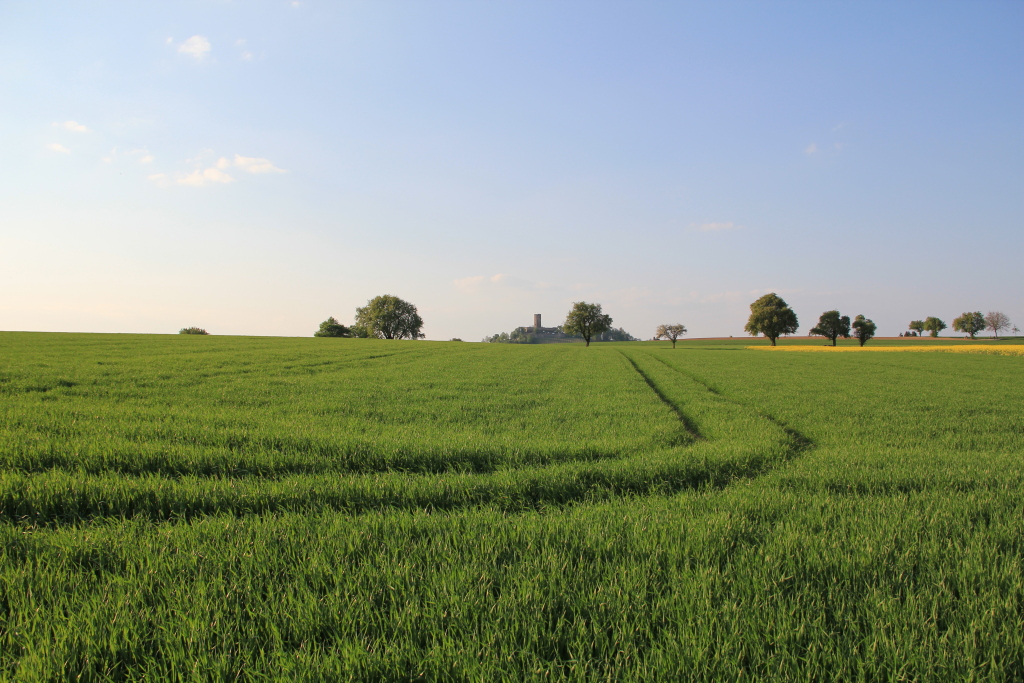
[
  {"x": 931, "y": 324},
  {"x": 584, "y": 321},
  {"x": 831, "y": 325},
  {"x": 971, "y": 323},
  {"x": 968, "y": 322},
  {"x": 383, "y": 317},
  {"x": 389, "y": 317},
  {"x": 771, "y": 316}
]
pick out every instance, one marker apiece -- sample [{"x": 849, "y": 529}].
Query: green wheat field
[{"x": 179, "y": 508}]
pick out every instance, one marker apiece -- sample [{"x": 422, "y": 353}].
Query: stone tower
[{"x": 536, "y": 322}]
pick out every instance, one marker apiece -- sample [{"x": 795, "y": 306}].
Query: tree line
[
  {"x": 383, "y": 317},
  {"x": 389, "y": 317}
]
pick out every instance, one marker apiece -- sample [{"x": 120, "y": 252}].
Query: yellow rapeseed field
[{"x": 1008, "y": 350}]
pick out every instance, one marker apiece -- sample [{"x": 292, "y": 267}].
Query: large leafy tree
[
  {"x": 934, "y": 325},
  {"x": 388, "y": 317},
  {"x": 969, "y": 323},
  {"x": 917, "y": 326},
  {"x": 332, "y": 328},
  {"x": 772, "y": 317},
  {"x": 832, "y": 326},
  {"x": 586, "y": 320},
  {"x": 996, "y": 321},
  {"x": 863, "y": 329}
]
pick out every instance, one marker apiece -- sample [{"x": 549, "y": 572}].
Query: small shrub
[{"x": 192, "y": 330}]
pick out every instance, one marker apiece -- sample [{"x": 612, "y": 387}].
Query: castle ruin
[{"x": 538, "y": 330}]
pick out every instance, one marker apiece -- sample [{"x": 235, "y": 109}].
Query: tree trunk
[
  {"x": 673, "y": 343},
  {"x": 773, "y": 340},
  {"x": 833, "y": 341}
]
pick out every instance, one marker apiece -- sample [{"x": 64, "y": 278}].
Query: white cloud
[
  {"x": 170, "y": 40},
  {"x": 494, "y": 283},
  {"x": 256, "y": 165},
  {"x": 469, "y": 284},
  {"x": 73, "y": 126},
  {"x": 196, "y": 46},
  {"x": 245, "y": 54},
  {"x": 197, "y": 159},
  {"x": 198, "y": 178},
  {"x": 160, "y": 179},
  {"x": 222, "y": 163},
  {"x": 811, "y": 148},
  {"x": 57, "y": 147},
  {"x": 144, "y": 156},
  {"x": 709, "y": 227}
]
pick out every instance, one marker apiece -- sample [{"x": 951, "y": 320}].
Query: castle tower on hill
[
  {"x": 538, "y": 330},
  {"x": 538, "y": 334}
]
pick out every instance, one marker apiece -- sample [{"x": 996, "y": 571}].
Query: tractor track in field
[
  {"x": 55, "y": 497},
  {"x": 799, "y": 442},
  {"x": 687, "y": 423}
]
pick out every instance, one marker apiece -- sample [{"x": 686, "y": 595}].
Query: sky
[{"x": 255, "y": 167}]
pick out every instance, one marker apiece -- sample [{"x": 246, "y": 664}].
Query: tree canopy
[
  {"x": 586, "y": 320},
  {"x": 934, "y": 325},
  {"x": 832, "y": 326},
  {"x": 671, "y": 332},
  {"x": 388, "y": 317},
  {"x": 332, "y": 328},
  {"x": 192, "y": 330},
  {"x": 969, "y": 323},
  {"x": 772, "y": 317},
  {"x": 863, "y": 329},
  {"x": 996, "y": 321},
  {"x": 916, "y": 326}
]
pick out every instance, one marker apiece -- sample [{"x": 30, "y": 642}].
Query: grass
[
  {"x": 213, "y": 508},
  {"x": 1000, "y": 350}
]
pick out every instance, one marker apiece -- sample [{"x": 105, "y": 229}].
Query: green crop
[{"x": 213, "y": 508}]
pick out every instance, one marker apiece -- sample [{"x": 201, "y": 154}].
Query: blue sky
[{"x": 254, "y": 167}]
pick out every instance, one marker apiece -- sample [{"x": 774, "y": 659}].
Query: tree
[
  {"x": 501, "y": 338},
  {"x": 772, "y": 317},
  {"x": 388, "y": 317},
  {"x": 586, "y": 320},
  {"x": 969, "y": 323},
  {"x": 192, "y": 330},
  {"x": 1015, "y": 330},
  {"x": 917, "y": 326},
  {"x": 934, "y": 326},
  {"x": 831, "y": 325},
  {"x": 615, "y": 335},
  {"x": 671, "y": 332},
  {"x": 996, "y": 321},
  {"x": 863, "y": 329},
  {"x": 332, "y": 328}
]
